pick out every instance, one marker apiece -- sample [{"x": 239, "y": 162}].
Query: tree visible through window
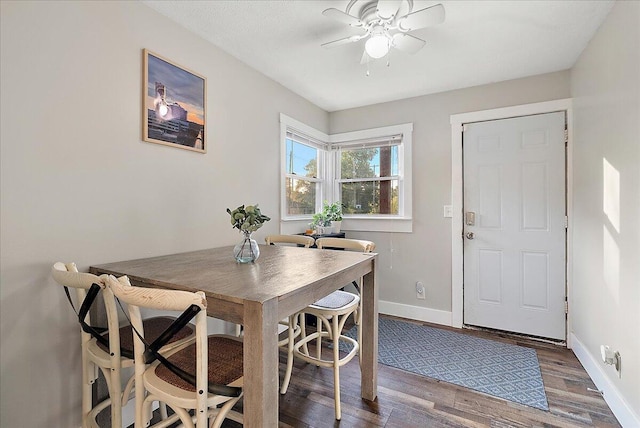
[{"x": 368, "y": 181}]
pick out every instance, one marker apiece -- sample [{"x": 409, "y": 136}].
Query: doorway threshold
[{"x": 514, "y": 335}]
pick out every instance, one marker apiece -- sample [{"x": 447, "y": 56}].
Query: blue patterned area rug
[{"x": 506, "y": 371}]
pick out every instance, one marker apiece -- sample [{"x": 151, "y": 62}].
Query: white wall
[
  {"x": 77, "y": 182},
  {"x": 605, "y": 84},
  {"x": 425, "y": 254}
]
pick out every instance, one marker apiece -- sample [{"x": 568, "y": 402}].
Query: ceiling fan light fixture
[{"x": 377, "y": 46}]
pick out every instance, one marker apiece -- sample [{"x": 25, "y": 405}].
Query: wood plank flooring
[{"x": 409, "y": 400}]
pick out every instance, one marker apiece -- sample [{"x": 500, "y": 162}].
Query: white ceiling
[{"x": 480, "y": 42}]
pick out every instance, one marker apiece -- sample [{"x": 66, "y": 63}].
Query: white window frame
[
  {"x": 402, "y": 222},
  {"x": 328, "y": 166},
  {"x": 317, "y": 139}
]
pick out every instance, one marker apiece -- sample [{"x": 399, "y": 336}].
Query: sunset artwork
[{"x": 173, "y": 104}]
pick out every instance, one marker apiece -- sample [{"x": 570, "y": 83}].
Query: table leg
[
  {"x": 260, "y": 364},
  {"x": 369, "y": 345}
]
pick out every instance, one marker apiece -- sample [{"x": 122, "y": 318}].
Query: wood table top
[{"x": 279, "y": 270}]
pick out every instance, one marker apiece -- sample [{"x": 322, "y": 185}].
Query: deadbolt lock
[{"x": 470, "y": 218}]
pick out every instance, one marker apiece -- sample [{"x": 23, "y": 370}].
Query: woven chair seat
[
  {"x": 335, "y": 300},
  {"x": 153, "y": 328},
  {"x": 225, "y": 363}
]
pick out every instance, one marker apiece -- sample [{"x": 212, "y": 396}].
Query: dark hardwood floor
[{"x": 408, "y": 400}]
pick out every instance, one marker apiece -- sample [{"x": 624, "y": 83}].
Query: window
[
  {"x": 369, "y": 171},
  {"x": 368, "y": 179},
  {"x": 302, "y": 177}
]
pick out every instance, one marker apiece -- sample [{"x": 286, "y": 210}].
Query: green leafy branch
[{"x": 247, "y": 219}]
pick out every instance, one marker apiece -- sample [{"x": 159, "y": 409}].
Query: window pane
[
  {"x": 301, "y": 159},
  {"x": 369, "y": 162},
  {"x": 301, "y": 196},
  {"x": 370, "y": 197}
]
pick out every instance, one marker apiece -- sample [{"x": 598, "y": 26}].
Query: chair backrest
[
  {"x": 167, "y": 300},
  {"x": 67, "y": 275},
  {"x": 346, "y": 244},
  {"x": 307, "y": 241}
]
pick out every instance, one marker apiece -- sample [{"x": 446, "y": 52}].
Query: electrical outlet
[{"x": 420, "y": 291}]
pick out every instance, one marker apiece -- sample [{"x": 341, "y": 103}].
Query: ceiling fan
[{"x": 385, "y": 24}]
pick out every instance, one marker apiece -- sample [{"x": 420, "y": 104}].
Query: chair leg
[
  {"x": 319, "y": 339},
  {"x": 222, "y": 414},
  {"x": 87, "y": 393},
  {"x": 359, "y": 317},
  {"x": 144, "y": 416},
  {"x": 287, "y": 375},
  {"x": 163, "y": 411},
  {"x": 336, "y": 365},
  {"x": 115, "y": 393},
  {"x": 303, "y": 331}
]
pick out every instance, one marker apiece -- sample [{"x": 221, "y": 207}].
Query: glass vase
[{"x": 247, "y": 250}]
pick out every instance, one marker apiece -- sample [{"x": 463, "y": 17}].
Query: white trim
[
  {"x": 457, "y": 121},
  {"x": 305, "y": 129},
  {"x": 618, "y": 405},
  {"x": 404, "y": 128},
  {"x": 418, "y": 313}
]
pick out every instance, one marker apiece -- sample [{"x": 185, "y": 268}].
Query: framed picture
[{"x": 174, "y": 103}]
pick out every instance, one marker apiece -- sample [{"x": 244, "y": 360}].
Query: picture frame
[{"x": 173, "y": 104}]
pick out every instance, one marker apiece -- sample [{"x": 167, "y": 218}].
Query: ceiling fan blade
[
  {"x": 407, "y": 43},
  {"x": 341, "y": 16},
  {"x": 343, "y": 41},
  {"x": 387, "y": 9},
  {"x": 423, "y": 18}
]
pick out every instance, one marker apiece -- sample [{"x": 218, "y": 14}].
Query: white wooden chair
[
  {"x": 293, "y": 322},
  {"x": 199, "y": 376},
  {"x": 359, "y": 245},
  {"x": 110, "y": 349},
  {"x": 332, "y": 312}
]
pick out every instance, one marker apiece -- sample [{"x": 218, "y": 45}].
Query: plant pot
[{"x": 336, "y": 225}]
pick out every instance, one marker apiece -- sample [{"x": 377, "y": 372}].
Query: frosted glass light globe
[{"x": 377, "y": 46}]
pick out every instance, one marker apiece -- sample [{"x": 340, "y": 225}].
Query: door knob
[{"x": 470, "y": 235}]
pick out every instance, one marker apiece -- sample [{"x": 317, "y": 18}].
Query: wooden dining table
[{"x": 282, "y": 281}]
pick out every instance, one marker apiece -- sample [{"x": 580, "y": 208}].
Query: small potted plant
[
  {"x": 320, "y": 223},
  {"x": 333, "y": 213},
  {"x": 328, "y": 220}
]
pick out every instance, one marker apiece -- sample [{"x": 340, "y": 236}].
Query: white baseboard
[
  {"x": 620, "y": 408},
  {"x": 415, "y": 312}
]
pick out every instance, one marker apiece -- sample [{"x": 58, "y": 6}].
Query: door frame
[{"x": 457, "y": 251}]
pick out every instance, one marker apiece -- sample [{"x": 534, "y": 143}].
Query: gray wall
[
  {"x": 605, "y": 84},
  {"x": 79, "y": 184},
  {"x": 425, "y": 254}
]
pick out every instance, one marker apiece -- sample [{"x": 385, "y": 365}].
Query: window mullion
[{"x": 303, "y": 177}]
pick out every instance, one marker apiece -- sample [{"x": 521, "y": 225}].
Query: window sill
[{"x": 361, "y": 224}]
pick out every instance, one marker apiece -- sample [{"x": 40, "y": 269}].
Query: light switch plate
[{"x": 448, "y": 211}]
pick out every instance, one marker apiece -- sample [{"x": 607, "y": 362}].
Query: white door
[{"x": 514, "y": 225}]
